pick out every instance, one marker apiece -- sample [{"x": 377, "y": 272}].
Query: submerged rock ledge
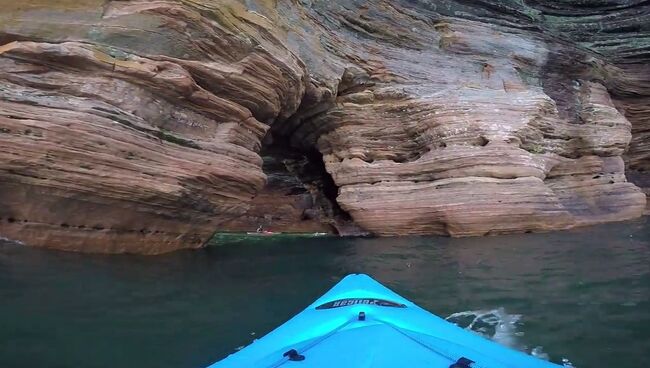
[{"x": 146, "y": 126}]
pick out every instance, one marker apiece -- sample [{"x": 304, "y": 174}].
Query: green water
[{"x": 581, "y": 295}]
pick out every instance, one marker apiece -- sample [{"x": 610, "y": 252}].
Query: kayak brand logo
[{"x": 360, "y": 301}]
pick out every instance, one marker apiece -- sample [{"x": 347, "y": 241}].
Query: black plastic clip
[
  {"x": 462, "y": 362},
  {"x": 293, "y": 355},
  {"x": 362, "y": 316}
]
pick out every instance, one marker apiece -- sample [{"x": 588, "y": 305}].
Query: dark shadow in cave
[
  {"x": 305, "y": 168},
  {"x": 328, "y": 187}
]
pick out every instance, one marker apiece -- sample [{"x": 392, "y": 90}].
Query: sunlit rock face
[{"x": 137, "y": 126}]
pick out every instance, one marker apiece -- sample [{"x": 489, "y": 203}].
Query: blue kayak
[{"x": 362, "y": 324}]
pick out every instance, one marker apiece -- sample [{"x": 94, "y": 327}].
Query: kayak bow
[{"x": 361, "y": 323}]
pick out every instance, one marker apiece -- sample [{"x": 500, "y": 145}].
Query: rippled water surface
[{"x": 581, "y": 295}]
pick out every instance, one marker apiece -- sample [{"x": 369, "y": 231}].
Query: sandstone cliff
[{"x": 145, "y": 126}]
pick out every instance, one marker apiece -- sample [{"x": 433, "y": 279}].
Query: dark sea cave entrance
[{"x": 303, "y": 193}]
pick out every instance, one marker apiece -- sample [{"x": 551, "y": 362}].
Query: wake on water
[{"x": 501, "y": 327}]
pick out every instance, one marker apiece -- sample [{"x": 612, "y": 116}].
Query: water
[{"x": 582, "y": 296}]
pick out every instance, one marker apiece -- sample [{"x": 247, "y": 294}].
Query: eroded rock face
[
  {"x": 137, "y": 126},
  {"x": 464, "y": 128},
  {"x": 134, "y": 126}
]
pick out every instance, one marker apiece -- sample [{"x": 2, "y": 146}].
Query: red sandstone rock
[{"x": 137, "y": 126}]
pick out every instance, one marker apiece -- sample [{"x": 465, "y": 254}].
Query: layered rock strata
[
  {"x": 137, "y": 126},
  {"x": 133, "y": 126}
]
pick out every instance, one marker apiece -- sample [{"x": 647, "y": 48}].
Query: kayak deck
[{"x": 361, "y": 323}]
